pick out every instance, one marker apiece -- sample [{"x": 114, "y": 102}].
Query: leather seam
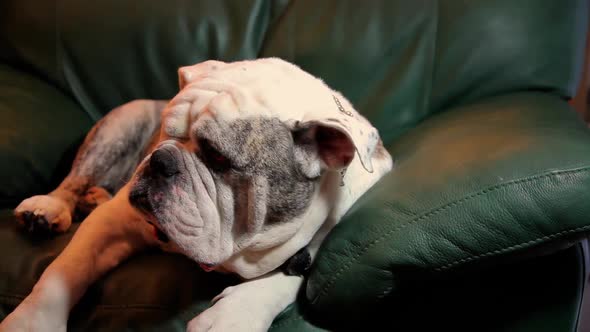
[
  {"x": 516, "y": 246},
  {"x": 328, "y": 285}
]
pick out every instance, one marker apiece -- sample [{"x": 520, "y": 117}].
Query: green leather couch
[{"x": 480, "y": 226}]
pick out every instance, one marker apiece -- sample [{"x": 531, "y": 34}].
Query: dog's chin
[{"x": 207, "y": 257}]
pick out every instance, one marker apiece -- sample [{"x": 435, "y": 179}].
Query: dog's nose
[{"x": 163, "y": 163}]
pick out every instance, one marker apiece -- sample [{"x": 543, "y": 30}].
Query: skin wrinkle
[
  {"x": 208, "y": 180},
  {"x": 160, "y": 206},
  {"x": 226, "y": 202},
  {"x": 199, "y": 188},
  {"x": 258, "y": 189},
  {"x": 195, "y": 190},
  {"x": 195, "y": 186},
  {"x": 240, "y": 213}
]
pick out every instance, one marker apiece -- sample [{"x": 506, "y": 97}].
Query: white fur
[
  {"x": 264, "y": 87},
  {"x": 249, "y": 306}
]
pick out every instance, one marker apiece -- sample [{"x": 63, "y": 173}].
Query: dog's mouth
[{"x": 207, "y": 267}]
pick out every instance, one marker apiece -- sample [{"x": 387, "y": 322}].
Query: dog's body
[{"x": 248, "y": 164}]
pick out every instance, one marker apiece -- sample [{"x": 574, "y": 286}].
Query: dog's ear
[
  {"x": 189, "y": 74},
  {"x": 333, "y": 137},
  {"x": 319, "y": 147}
]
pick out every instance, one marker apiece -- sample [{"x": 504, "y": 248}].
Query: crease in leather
[
  {"x": 346, "y": 266},
  {"x": 286, "y": 322},
  {"x": 521, "y": 245},
  {"x": 428, "y": 99},
  {"x": 400, "y": 210},
  {"x": 273, "y": 23},
  {"x": 66, "y": 71}
]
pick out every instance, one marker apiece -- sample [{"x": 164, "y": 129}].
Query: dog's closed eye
[{"x": 212, "y": 157}]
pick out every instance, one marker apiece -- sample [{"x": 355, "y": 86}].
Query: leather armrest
[
  {"x": 39, "y": 126},
  {"x": 489, "y": 182}
]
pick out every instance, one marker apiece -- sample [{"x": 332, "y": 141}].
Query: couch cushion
[
  {"x": 507, "y": 177},
  {"x": 541, "y": 294},
  {"x": 39, "y": 131},
  {"x": 397, "y": 61},
  {"x": 137, "y": 54}
]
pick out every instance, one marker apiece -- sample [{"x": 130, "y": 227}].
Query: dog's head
[{"x": 243, "y": 150}]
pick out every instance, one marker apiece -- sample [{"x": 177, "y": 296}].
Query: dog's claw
[{"x": 37, "y": 224}]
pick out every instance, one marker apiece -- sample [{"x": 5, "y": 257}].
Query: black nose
[{"x": 163, "y": 163}]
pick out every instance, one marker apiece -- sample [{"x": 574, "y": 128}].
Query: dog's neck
[{"x": 333, "y": 197}]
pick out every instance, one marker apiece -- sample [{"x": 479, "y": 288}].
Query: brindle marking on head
[{"x": 262, "y": 147}]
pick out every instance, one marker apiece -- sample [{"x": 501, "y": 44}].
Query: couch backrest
[{"x": 398, "y": 61}]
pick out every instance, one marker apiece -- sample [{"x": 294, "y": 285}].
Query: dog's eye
[{"x": 212, "y": 156}]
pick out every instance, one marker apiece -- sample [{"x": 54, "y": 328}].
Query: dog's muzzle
[{"x": 161, "y": 166}]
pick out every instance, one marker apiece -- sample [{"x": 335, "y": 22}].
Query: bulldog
[{"x": 251, "y": 163}]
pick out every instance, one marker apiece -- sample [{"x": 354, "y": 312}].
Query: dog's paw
[
  {"x": 93, "y": 198},
  {"x": 232, "y": 313},
  {"x": 43, "y": 215}
]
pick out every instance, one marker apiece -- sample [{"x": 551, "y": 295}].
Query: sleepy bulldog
[{"x": 251, "y": 162}]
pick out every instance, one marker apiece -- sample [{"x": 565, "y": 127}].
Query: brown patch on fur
[
  {"x": 92, "y": 198},
  {"x": 71, "y": 190}
]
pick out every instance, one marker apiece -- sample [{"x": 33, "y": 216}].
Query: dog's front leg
[
  {"x": 250, "y": 306},
  {"x": 110, "y": 234}
]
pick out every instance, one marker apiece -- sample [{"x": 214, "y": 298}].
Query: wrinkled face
[{"x": 229, "y": 181}]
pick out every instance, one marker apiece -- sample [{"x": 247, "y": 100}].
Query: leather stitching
[
  {"x": 328, "y": 285},
  {"x": 516, "y": 246}
]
